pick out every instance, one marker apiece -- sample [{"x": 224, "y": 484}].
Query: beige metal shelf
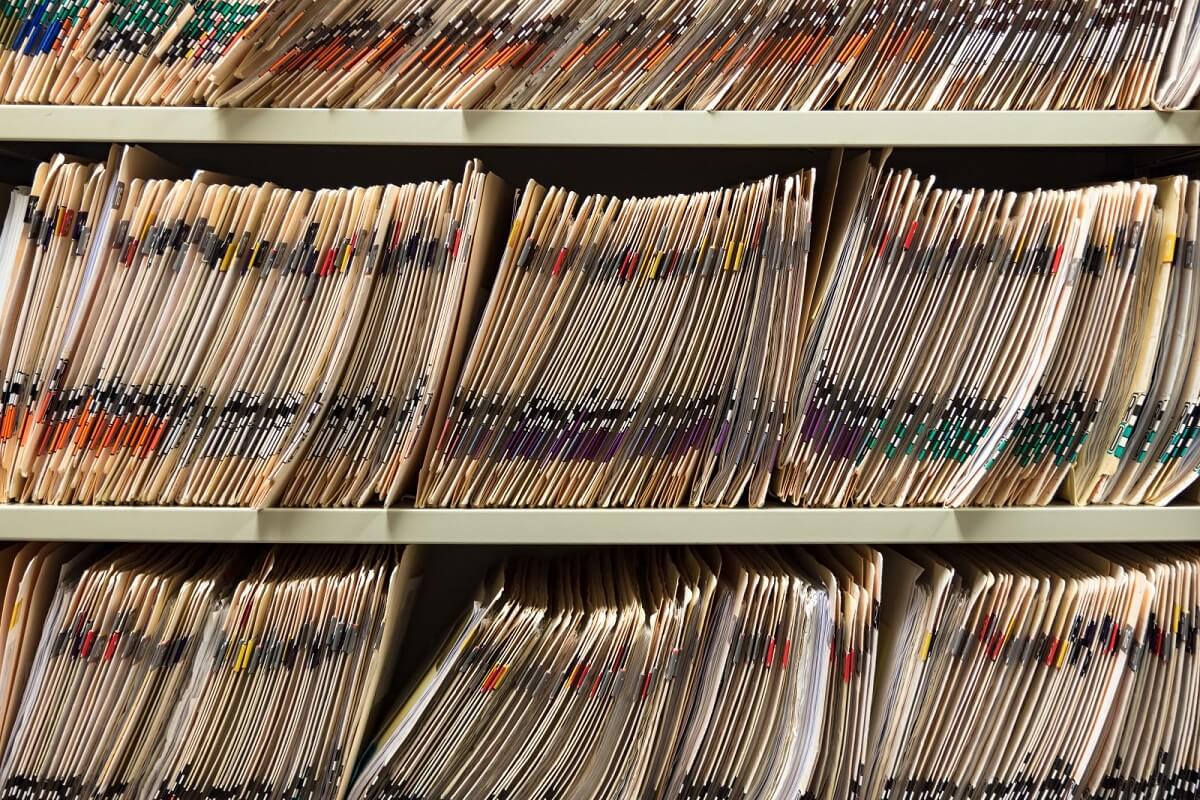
[
  {"x": 603, "y": 128},
  {"x": 610, "y": 526}
]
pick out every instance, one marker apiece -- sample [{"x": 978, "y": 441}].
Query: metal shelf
[
  {"x": 608, "y": 526},
  {"x": 603, "y": 128}
]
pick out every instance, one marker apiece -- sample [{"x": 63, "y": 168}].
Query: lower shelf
[{"x": 602, "y": 526}]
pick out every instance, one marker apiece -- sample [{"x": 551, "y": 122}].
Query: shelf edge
[
  {"x": 601, "y": 128},
  {"x": 596, "y": 527}
]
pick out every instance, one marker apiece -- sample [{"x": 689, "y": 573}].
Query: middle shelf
[
  {"x": 1058, "y": 523},
  {"x": 576, "y": 129}
]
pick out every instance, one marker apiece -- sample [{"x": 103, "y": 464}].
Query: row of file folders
[
  {"x": 858, "y": 337},
  {"x": 829, "y": 673},
  {"x": 617, "y": 54}
]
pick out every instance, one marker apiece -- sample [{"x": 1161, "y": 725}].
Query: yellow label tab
[
  {"x": 228, "y": 257},
  {"x": 926, "y": 643},
  {"x": 655, "y": 263},
  {"x": 243, "y": 657},
  {"x": 1168, "y": 248}
]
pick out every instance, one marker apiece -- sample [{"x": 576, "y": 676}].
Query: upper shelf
[
  {"x": 602, "y": 526},
  {"x": 604, "y": 128}
]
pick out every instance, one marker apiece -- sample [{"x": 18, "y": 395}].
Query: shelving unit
[
  {"x": 603, "y": 128},
  {"x": 543, "y": 132}
]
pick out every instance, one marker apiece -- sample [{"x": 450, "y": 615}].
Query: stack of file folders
[
  {"x": 996, "y": 348},
  {"x": 605, "y": 54},
  {"x": 201, "y": 340},
  {"x": 174, "y": 672},
  {"x": 840, "y": 672},
  {"x": 633, "y": 352},
  {"x": 853, "y": 336},
  {"x": 832, "y": 672},
  {"x": 885, "y": 343}
]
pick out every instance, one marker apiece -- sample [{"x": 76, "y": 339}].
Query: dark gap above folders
[{"x": 621, "y": 171}]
